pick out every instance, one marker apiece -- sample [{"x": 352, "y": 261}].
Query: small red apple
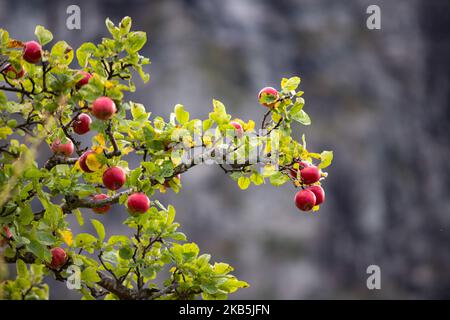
[
  {"x": 271, "y": 93},
  {"x": 305, "y": 200},
  {"x": 301, "y": 164},
  {"x": 114, "y": 178},
  {"x": 238, "y": 127},
  {"x": 84, "y": 80},
  {"x": 319, "y": 193},
  {"x": 32, "y": 52},
  {"x": 12, "y": 73},
  {"x": 103, "y": 209},
  {"x": 59, "y": 258},
  {"x": 65, "y": 149},
  {"x": 103, "y": 108},
  {"x": 5, "y": 236},
  {"x": 7, "y": 233},
  {"x": 82, "y": 161},
  {"x": 82, "y": 124},
  {"x": 310, "y": 174},
  {"x": 138, "y": 203}
]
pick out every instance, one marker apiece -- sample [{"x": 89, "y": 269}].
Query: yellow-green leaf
[
  {"x": 243, "y": 182},
  {"x": 43, "y": 35},
  {"x": 99, "y": 228},
  {"x": 326, "y": 157}
]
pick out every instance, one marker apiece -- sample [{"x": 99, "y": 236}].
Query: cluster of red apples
[
  {"x": 307, "y": 174},
  {"x": 113, "y": 178}
]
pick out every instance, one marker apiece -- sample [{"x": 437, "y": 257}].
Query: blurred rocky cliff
[{"x": 378, "y": 98}]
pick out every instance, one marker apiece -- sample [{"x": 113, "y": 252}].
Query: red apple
[
  {"x": 271, "y": 93},
  {"x": 319, "y": 193},
  {"x": 301, "y": 164},
  {"x": 138, "y": 203},
  {"x": 238, "y": 127},
  {"x": 310, "y": 174},
  {"x": 65, "y": 149},
  {"x": 103, "y": 108},
  {"x": 305, "y": 200},
  {"x": 103, "y": 209},
  {"x": 82, "y": 161},
  {"x": 84, "y": 80},
  {"x": 114, "y": 178},
  {"x": 59, "y": 258},
  {"x": 6, "y": 233},
  {"x": 82, "y": 124},
  {"x": 32, "y": 52},
  {"x": 12, "y": 73}
]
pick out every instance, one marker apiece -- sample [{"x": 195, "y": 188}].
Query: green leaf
[
  {"x": 135, "y": 41},
  {"x": 179, "y": 236},
  {"x": 118, "y": 239},
  {"x": 26, "y": 215},
  {"x": 134, "y": 175},
  {"x": 79, "y": 216},
  {"x": 290, "y": 84},
  {"x": 326, "y": 157},
  {"x": 43, "y": 35},
  {"x": 190, "y": 251},
  {"x": 207, "y": 124},
  {"x": 111, "y": 28},
  {"x": 279, "y": 179},
  {"x": 257, "y": 178},
  {"x": 181, "y": 115},
  {"x": 99, "y": 228},
  {"x": 144, "y": 76},
  {"x": 301, "y": 117},
  {"x": 84, "y": 52},
  {"x": 4, "y": 132},
  {"x": 219, "y": 115},
  {"x": 298, "y": 106},
  {"x": 22, "y": 270},
  {"x": 126, "y": 253},
  {"x": 138, "y": 112},
  {"x": 125, "y": 25},
  {"x": 222, "y": 268},
  {"x": 3, "y": 99},
  {"x": 62, "y": 52},
  {"x": 210, "y": 287},
  {"x": 85, "y": 240},
  {"x": 149, "y": 272},
  {"x": 170, "y": 215},
  {"x": 4, "y": 37},
  {"x": 87, "y": 295},
  {"x": 39, "y": 250},
  {"x": 45, "y": 238},
  {"x": 243, "y": 182},
  {"x": 33, "y": 172},
  {"x": 90, "y": 275},
  {"x": 232, "y": 284}
]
